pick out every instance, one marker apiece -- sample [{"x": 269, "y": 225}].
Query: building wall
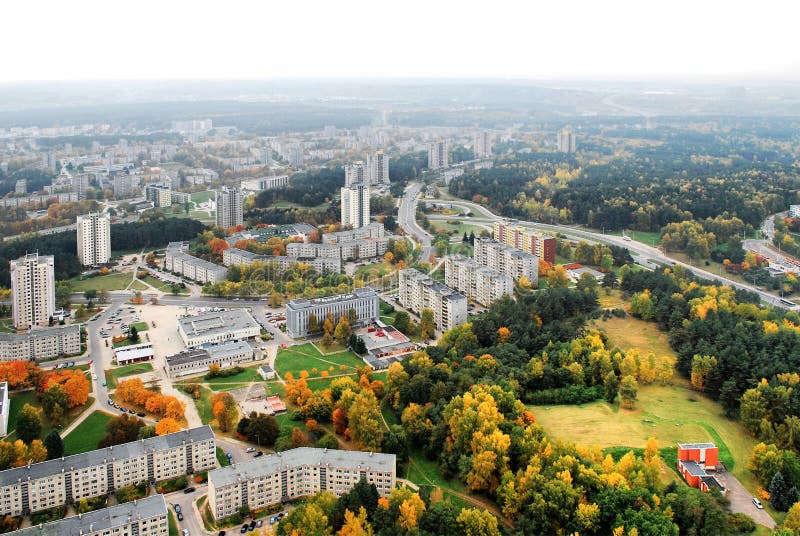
[
  {"x": 355, "y": 206},
  {"x": 94, "y": 239},
  {"x": 527, "y": 240},
  {"x": 202, "y": 364},
  {"x": 418, "y": 291},
  {"x": 32, "y": 290},
  {"x": 297, "y": 320}
]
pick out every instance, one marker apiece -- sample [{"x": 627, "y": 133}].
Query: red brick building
[{"x": 694, "y": 460}]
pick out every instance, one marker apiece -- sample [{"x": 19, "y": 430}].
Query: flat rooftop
[
  {"x": 300, "y": 457},
  {"x": 693, "y": 468},
  {"x": 221, "y": 351},
  {"x": 690, "y": 446},
  {"x": 41, "y": 333},
  {"x": 359, "y": 293},
  {"x": 219, "y": 321}
]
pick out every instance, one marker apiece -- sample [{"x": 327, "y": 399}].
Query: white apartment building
[
  {"x": 373, "y": 230},
  {"x": 438, "y": 156},
  {"x": 143, "y": 517},
  {"x": 198, "y": 360},
  {"x": 5, "y": 407},
  {"x": 482, "y": 284},
  {"x": 378, "y": 168},
  {"x": 66, "y": 480},
  {"x": 566, "y": 141},
  {"x": 218, "y": 327},
  {"x": 482, "y": 144},
  {"x": 794, "y": 211},
  {"x": 506, "y": 259},
  {"x": 355, "y": 206},
  {"x": 280, "y": 263},
  {"x": 230, "y": 206},
  {"x": 355, "y": 173},
  {"x": 265, "y": 183},
  {"x": 94, "y": 239},
  {"x": 178, "y": 261},
  {"x": 364, "y": 301},
  {"x": 159, "y": 194},
  {"x": 41, "y": 343},
  {"x": 418, "y": 291},
  {"x": 364, "y": 248},
  {"x": 296, "y": 473},
  {"x": 33, "y": 290}
]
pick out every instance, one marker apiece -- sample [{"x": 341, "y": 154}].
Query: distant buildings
[
  {"x": 296, "y": 155},
  {"x": 265, "y": 183},
  {"x": 364, "y": 301},
  {"x": 378, "y": 168},
  {"x": 507, "y": 260},
  {"x": 159, "y": 194},
  {"x": 21, "y": 187},
  {"x": 198, "y": 360},
  {"x": 143, "y": 517},
  {"x": 438, "y": 156},
  {"x": 355, "y": 206},
  {"x": 370, "y": 231},
  {"x": 41, "y": 343},
  {"x": 566, "y": 141},
  {"x": 794, "y": 211},
  {"x": 365, "y": 248},
  {"x": 200, "y": 176},
  {"x": 482, "y": 144},
  {"x": 177, "y": 260},
  {"x": 217, "y": 327},
  {"x": 122, "y": 185},
  {"x": 512, "y": 234},
  {"x": 355, "y": 173},
  {"x": 295, "y": 473},
  {"x": 480, "y": 283},
  {"x": 32, "y": 290},
  {"x": 241, "y": 257},
  {"x": 230, "y": 207},
  {"x": 94, "y": 239},
  {"x": 418, "y": 291},
  {"x": 193, "y": 126}
]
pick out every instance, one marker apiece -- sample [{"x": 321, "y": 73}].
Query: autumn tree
[
  {"x": 475, "y": 522},
  {"x": 339, "y": 419},
  {"x": 701, "y": 368},
  {"x": 224, "y": 409},
  {"x": 29, "y": 423},
  {"x": 503, "y": 334},
  {"x": 313, "y": 323},
  {"x": 342, "y": 331},
  {"x": 123, "y": 429},
  {"x": 298, "y": 437},
  {"x": 55, "y": 403},
  {"x": 558, "y": 278},
  {"x": 166, "y": 426},
  {"x": 356, "y": 525},
  {"x": 628, "y": 392},
  {"x": 365, "y": 422},
  {"x": 427, "y": 326}
]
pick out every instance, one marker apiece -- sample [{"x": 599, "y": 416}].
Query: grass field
[
  {"x": 306, "y": 357},
  {"x": 458, "y": 230},
  {"x": 203, "y": 404},
  {"x": 631, "y": 333},
  {"x": 199, "y": 197},
  {"x": 173, "y": 525},
  {"x": 113, "y": 375},
  {"x": 17, "y": 401},
  {"x": 249, "y": 374},
  {"x": 138, "y": 285},
  {"x": 140, "y": 326},
  {"x": 114, "y": 281},
  {"x": 87, "y": 434}
]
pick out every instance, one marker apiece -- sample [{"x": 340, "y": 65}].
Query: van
[{"x": 758, "y": 504}]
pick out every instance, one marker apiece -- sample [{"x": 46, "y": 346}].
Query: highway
[{"x": 407, "y": 219}]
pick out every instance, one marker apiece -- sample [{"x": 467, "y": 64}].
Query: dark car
[
  {"x": 244, "y": 528},
  {"x": 180, "y": 516},
  {"x": 132, "y": 411},
  {"x": 140, "y": 414},
  {"x": 257, "y": 454},
  {"x": 188, "y": 490},
  {"x": 123, "y": 409},
  {"x": 177, "y": 508},
  {"x": 252, "y": 525},
  {"x": 221, "y": 533}
]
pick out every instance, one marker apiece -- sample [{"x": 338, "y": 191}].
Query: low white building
[
  {"x": 134, "y": 353},
  {"x": 177, "y": 260},
  {"x": 198, "y": 360},
  {"x": 363, "y": 301},
  {"x": 218, "y": 327}
]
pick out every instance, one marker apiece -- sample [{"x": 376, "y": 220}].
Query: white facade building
[
  {"x": 198, "y": 360},
  {"x": 364, "y": 301},
  {"x": 438, "y": 156},
  {"x": 482, "y": 144},
  {"x": 265, "y": 183},
  {"x": 418, "y": 291},
  {"x": 567, "y": 141},
  {"x": 94, "y": 239},
  {"x": 178, "y": 261},
  {"x": 241, "y": 257},
  {"x": 507, "y": 260},
  {"x": 482, "y": 284},
  {"x": 33, "y": 290},
  {"x": 378, "y": 168},
  {"x": 230, "y": 206},
  {"x": 218, "y": 327},
  {"x": 355, "y": 206},
  {"x": 355, "y": 173},
  {"x": 41, "y": 343}
]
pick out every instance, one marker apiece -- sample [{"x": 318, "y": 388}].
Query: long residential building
[
  {"x": 198, "y": 360},
  {"x": 142, "y": 517},
  {"x": 419, "y": 291},
  {"x": 512, "y": 234},
  {"x": 507, "y": 260},
  {"x": 177, "y": 260},
  {"x": 365, "y": 248},
  {"x": 41, "y": 343},
  {"x": 373, "y": 230},
  {"x": 295, "y": 473},
  {"x": 218, "y": 327},
  {"x": 33, "y": 290},
  {"x": 481, "y": 283},
  {"x": 265, "y": 183},
  {"x": 94, "y": 239},
  {"x": 66, "y": 480},
  {"x": 364, "y": 301},
  {"x": 242, "y": 257}
]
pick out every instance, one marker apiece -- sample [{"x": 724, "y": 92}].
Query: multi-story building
[
  {"x": 159, "y": 194},
  {"x": 378, "y": 168},
  {"x": 355, "y": 206},
  {"x": 296, "y": 155},
  {"x": 94, "y": 239},
  {"x": 512, "y": 234},
  {"x": 265, "y": 183},
  {"x": 21, "y": 187},
  {"x": 418, "y": 291},
  {"x": 438, "y": 156},
  {"x": 364, "y": 248},
  {"x": 193, "y": 126},
  {"x": 33, "y": 290},
  {"x": 482, "y": 284},
  {"x": 373, "y": 230},
  {"x": 143, "y": 517},
  {"x": 296, "y": 473},
  {"x": 241, "y": 257},
  {"x": 567, "y": 142},
  {"x": 218, "y": 327},
  {"x": 123, "y": 185},
  {"x": 794, "y": 211},
  {"x": 355, "y": 173},
  {"x": 364, "y": 301},
  {"x": 66, "y": 480},
  {"x": 41, "y": 343},
  {"x": 198, "y": 360},
  {"x": 507, "y": 260},
  {"x": 80, "y": 185},
  {"x": 230, "y": 205},
  {"x": 4, "y": 409},
  {"x": 482, "y": 144},
  {"x": 694, "y": 462},
  {"x": 200, "y": 270}
]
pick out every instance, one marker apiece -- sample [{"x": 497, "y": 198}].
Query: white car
[
  {"x": 94, "y": 376},
  {"x": 250, "y": 449},
  {"x": 758, "y": 504}
]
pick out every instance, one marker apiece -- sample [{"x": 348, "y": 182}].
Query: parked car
[
  {"x": 221, "y": 533},
  {"x": 185, "y": 532},
  {"x": 123, "y": 409},
  {"x": 250, "y": 449},
  {"x": 110, "y": 402},
  {"x": 132, "y": 411},
  {"x": 180, "y": 516},
  {"x": 177, "y": 508},
  {"x": 257, "y": 454},
  {"x": 260, "y": 522},
  {"x": 140, "y": 414},
  {"x": 758, "y": 504},
  {"x": 252, "y": 525},
  {"x": 94, "y": 376},
  {"x": 188, "y": 490},
  {"x": 244, "y": 528}
]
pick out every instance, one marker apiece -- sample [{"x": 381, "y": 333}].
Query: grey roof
[
  {"x": 99, "y": 520},
  {"x": 196, "y": 261},
  {"x": 693, "y": 468},
  {"x": 357, "y": 294},
  {"x": 220, "y": 321},
  {"x": 266, "y": 368},
  {"x": 712, "y": 482},
  {"x": 187, "y": 356},
  {"x": 704, "y": 445},
  {"x": 303, "y": 456},
  {"x": 40, "y": 333},
  {"x": 99, "y": 456}
]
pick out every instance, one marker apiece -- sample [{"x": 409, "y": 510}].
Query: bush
[
  {"x": 130, "y": 493},
  {"x": 223, "y": 373},
  {"x": 574, "y": 394},
  {"x": 46, "y": 516},
  {"x": 740, "y": 522},
  {"x": 168, "y": 486},
  {"x": 328, "y": 441}
]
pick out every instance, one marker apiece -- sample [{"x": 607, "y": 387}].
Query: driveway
[{"x": 742, "y": 500}]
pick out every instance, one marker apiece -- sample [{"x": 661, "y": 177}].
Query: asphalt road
[{"x": 407, "y": 219}]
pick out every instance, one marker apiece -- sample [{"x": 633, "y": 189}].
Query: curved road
[{"x": 407, "y": 219}]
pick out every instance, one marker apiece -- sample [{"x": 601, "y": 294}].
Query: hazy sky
[{"x": 112, "y": 39}]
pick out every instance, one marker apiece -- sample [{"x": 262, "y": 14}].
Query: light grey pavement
[
  {"x": 742, "y": 500},
  {"x": 407, "y": 219}
]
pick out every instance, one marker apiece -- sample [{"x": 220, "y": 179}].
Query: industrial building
[{"x": 217, "y": 327}]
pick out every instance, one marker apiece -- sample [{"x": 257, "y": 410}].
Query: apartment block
[
  {"x": 159, "y": 194},
  {"x": 143, "y": 517},
  {"x": 438, "y": 155},
  {"x": 33, "y": 290},
  {"x": 265, "y": 183},
  {"x": 482, "y": 284},
  {"x": 506, "y": 259},
  {"x": 418, "y": 291},
  {"x": 567, "y": 141},
  {"x": 364, "y": 248},
  {"x": 512, "y": 234},
  {"x": 355, "y": 206},
  {"x": 230, "y": 206},
  {"x": 178, "y": 261},
  {"x": 296, "y": 473},
  {"x": 94, "y": 239},
  {"x": 41, "y": 343},
  {"x": 218, "y": 327},
  {"x": 364, "y": 301},
  {"x": 355, "y": 173},
  {"x": 198, "y": 360},
  {"x": 378, "y": 168},
  {"x": 53, "y": 483},
  {"x": 482, "y": 144},
  {"x": 280, "y": 263},
  {"x": 373, "y": 230}
]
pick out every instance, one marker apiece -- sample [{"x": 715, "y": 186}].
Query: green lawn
[
  {"x": 113, "y": 375},
  {"x": 138, "y": 285},
  {"x": 18, "y": 400},
  {"x": 458, "y": 230},
  {"x": 203, "y": 404},
  {"x": 173, "y": 525},
  {"x": 249, "y": 374},
  {"x": 7, "y": 325},
  {"x": 647, "y": 238},
  {"x": 114, "y": 281},
  {"x": 87, "y": 434},
  {"x": 200, "y": 197},
  {"x": 140, "y": 326},
  {"x": 222, "y": 459},
  {"x": 307, "y": 357}
]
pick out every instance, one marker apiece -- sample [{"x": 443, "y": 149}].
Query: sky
[{"x": 261, "y": 39}]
